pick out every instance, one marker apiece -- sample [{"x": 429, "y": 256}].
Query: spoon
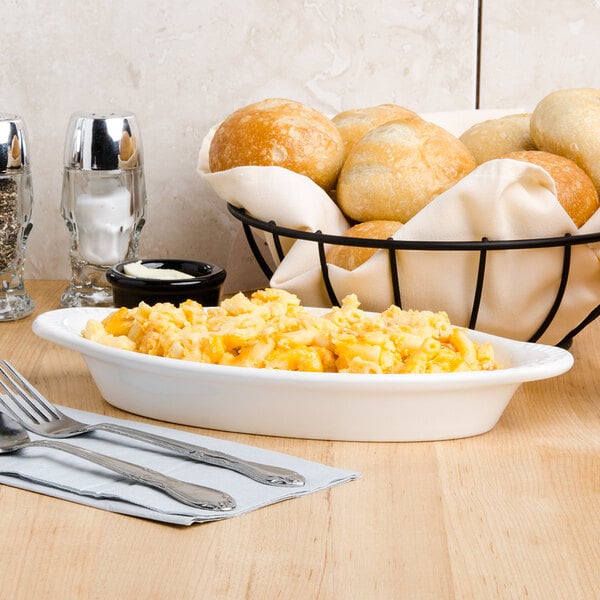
[{"x": 13, "y": 437}]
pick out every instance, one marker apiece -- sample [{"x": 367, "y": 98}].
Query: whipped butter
[{"x": 137, "y": 269}]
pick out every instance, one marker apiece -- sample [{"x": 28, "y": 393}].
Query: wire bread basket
[{"x": 483, "y": 248}]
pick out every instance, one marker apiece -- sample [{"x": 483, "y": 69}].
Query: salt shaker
[
  {"x": 103, "y": 201},
  {"x": 16, "y": 205}
]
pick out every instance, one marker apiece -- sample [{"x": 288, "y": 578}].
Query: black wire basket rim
[{"x": 392, "y": 244}]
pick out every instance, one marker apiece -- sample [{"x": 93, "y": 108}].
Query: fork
[{"x": 28, "y": 406}]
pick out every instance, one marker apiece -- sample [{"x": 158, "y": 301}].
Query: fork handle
[
  {"x": 188, "y": 493},
  {"x": 267, "y": 474}
]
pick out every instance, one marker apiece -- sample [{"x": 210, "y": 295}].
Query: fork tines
[{"x": 22, "y": 399}]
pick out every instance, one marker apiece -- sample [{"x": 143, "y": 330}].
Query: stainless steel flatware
[
  {"x": 25, "y": 404},
  {"x": 14, "y": 437}
]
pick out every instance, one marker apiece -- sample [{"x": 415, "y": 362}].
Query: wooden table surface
[{"x": 514, "y": 513}]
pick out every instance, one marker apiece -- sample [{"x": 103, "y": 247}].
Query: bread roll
[
  {"x": 495, "y": 137},
  {"x": 279, "y": 132},
  {"x": 354, "y": 124},
  {"x": 350, "y": 257},
  {"x": 398, "y": 168},
  {"x": 567, "y": 122},
  {"x": 574, "y": 189}
]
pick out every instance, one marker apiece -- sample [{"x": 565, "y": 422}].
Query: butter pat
[{"x": 137, "y": 269}]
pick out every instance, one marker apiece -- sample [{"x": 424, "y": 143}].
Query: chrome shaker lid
[
  {"x": 103, "y": 141},
  {"x": 13, "y": 144}
]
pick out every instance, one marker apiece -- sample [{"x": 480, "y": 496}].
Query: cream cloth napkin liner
[
  {"x": 61, "y": 475},
  {"x": 502, "y": 199}
]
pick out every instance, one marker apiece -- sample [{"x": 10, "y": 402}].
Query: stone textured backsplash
[{"x": 183, "y": 66}]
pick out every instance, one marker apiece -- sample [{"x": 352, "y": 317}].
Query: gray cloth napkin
[{"x": 61, "y": 475}]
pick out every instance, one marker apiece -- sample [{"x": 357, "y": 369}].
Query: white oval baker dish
[{"x": 332, "y": 406}]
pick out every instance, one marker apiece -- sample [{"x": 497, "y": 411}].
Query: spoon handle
[{"x": 188, "y": 493}]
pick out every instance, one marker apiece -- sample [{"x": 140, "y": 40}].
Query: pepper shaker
[
  {"x": 103, "y": 201},
  {"x": 16, "y": 205}
]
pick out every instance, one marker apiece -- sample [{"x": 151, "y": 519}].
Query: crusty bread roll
[
  {"x": 567, "y": 122},
  {"x": 354, "y": 124},
  {"x": 279, "y": 132},
  {"x": 574, "y": 189},
  {"x": 350, "y": 257},
  {"x": 398, "y": 168},
  {"x": 495, "y": 137}
]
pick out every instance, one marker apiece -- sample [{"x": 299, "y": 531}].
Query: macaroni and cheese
[{"x": 270, "y": 329}]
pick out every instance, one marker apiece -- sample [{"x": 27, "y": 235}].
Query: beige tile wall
[
  {"x": 531, "y": 48},
  {"x": 182, "y": 66}
]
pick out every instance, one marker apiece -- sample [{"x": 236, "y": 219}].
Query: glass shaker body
[
  {"x": 104, "y": 214},
  {"x": 16, "y": 206},
  {"x": 103, "y": 201}
]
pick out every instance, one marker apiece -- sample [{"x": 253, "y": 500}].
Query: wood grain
[{"x": 514, "y": 513}]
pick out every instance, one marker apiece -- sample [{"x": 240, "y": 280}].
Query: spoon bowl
[{"x": 13, "y": 437}]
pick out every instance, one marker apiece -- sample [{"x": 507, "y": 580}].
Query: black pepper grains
[{"x": 9, "y": 222}]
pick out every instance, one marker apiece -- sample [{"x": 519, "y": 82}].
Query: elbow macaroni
[{"x": 270, "y": 329}]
